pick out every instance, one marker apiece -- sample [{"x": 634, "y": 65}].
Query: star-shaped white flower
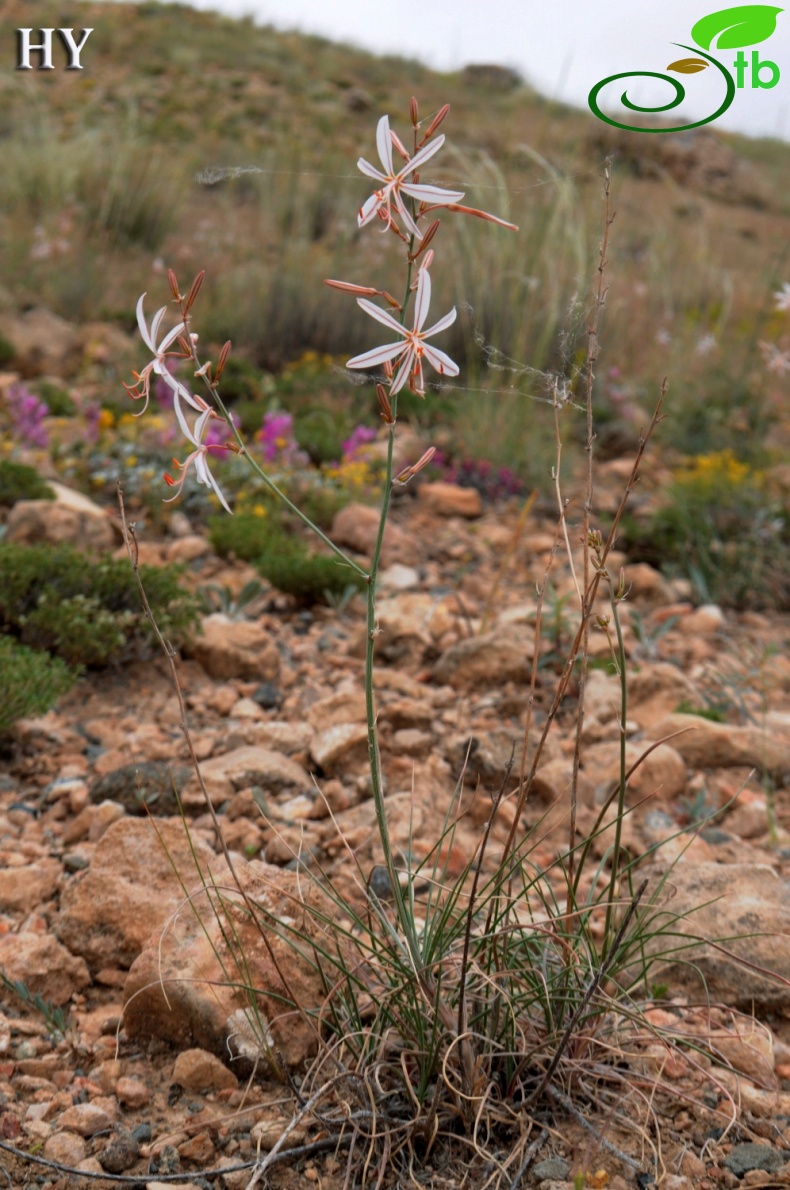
[
  {"x": 158, "y": 365},
  {"x": 411, "y": 352},
  {"x": 394, "y": 183},
  {"x": 783, "y": 298},
  {"x": 199, "y": 456}
]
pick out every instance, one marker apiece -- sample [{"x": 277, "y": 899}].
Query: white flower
[
  {"x": 783, "y": 298},
  {"x": 394, "y": 182},
  {"x": 199, "y": 456},
  {"x": 159, "y": 366},
  {"x": 411, "y": 352}
]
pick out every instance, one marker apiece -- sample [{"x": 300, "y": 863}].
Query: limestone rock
[
  {"x": 198, "y": 1070},
  {"x": 504, "y": 655},
  {"x": 661, "y": 775},
  {"x": 342, "y": 742},
  {"x": 235, "y": 649},
  {"x": 128, "y": 891},
  {"x": 202, "y": 1007},
  {"x": 46, "y": 967},
  {"x": 247, "y": 766},
  {"x": 450, "y": 499},
  {"x": 25, "y": 888},
  {"x": 356, "y": 526},
  {"x": 708, "y": 745},
  {"x": 65, "y": 520},
  {"x": 744, "y": 906}
]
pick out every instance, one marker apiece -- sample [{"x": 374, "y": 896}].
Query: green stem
[
  {"x": 618, "y": 829},
  {"x": 404, "y": 917}
]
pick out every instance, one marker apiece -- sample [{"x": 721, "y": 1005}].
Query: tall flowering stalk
[{"x": 401, "y": 205}]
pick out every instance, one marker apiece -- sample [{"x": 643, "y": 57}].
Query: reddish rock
[
  {"x": 707, "y": 745},
  {"x": 250, "y": 765},
  {"x": 132, "y": 1093},
  {"x": 71, "y": 518},
  {"x": 450, "y": 499},
  {"x": 201, "y": 1008},
  {"x": 504, "y": 655},
  {"x": 235, "y": 649},
  {"x": 198, "y": 1070},
  {"x": 25, "y": 888},
  {"x": 86, "y": 1119},
  {"x": 355, "y": 528},
  {"x": 46, "y": 967},
  {"x": 129, "y": 890}
]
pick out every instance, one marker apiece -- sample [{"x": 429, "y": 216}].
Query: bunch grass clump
[{"x": 87, "y": 613}]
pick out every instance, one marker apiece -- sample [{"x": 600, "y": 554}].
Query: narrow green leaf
[
  {"x": 746, "y": 24},
  {"x": 688, "y": 65}
]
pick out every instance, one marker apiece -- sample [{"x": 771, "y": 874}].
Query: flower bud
[
  {"x": 414, "y": 112},
  {"x": 173, "y": 283},
  {"x": 223, "y": 359},
  {"x": 409, "y": 472},
  {"x": 437, "y": 120},
  {"x": 194, "y": 291},
  {"x": 384, "y": 404}
]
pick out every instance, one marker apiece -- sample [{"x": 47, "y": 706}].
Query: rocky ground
[{"x": 95, "y": 921}]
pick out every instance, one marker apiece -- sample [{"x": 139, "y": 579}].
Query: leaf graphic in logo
[
  {"x": 688, "y": 65},
  {"x": 747, "y": 24}
]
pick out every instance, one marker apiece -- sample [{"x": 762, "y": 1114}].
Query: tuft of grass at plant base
[
  {"x": 31, "y": 681},
  {"x": 20, "y": 482},
  {"x": 88, "y": 613}
]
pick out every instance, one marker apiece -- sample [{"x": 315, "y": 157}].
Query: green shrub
[
  {"x": 84, "y": 612},
  {"x": 246, "y": 534},
  {"x": 31, "y": 682},
  {"x": 321, "y": 433},
  {"x": 721, "y": 526},
  {"x": 7, "y": 352},
  {"x": 20, "y": 482},
  {"x": 310, "y": 578},
  {"x": 56, "y": 399}
]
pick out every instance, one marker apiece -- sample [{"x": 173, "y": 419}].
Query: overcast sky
[{"x": 562, "y": 46}]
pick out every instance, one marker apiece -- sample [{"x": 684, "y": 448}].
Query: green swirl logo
[{"x": 730, "y": 28}]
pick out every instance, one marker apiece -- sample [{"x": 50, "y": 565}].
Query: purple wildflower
[
  {"x": 358, "y": 438},
  {"x": 28, "y": 412}
]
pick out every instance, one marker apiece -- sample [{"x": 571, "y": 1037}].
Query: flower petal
[
  {"x": 378, "y": 355},
  {"x": 438, "y": 360},
  {"x": 442, "y": 324},
  {"x": 368, "y": 209},
  {"x": 423, "y": 299},
  {"x": 403, "y": 373},
  {"x": 405, "y": 216},
  {"x": 425, "y": 154},
  {"x": 433, "y": 194},
  {"x": 370, "y": 170},
  {"x": 384, "y": 144},
  {"x": 146, "y": 334},
  {"x": 382, "y": 316}
]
